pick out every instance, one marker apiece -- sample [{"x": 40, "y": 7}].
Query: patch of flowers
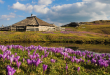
[{"x": 43, "y": 60}]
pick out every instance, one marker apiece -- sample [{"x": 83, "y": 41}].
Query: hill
[
  {"x": 100, "y": 26},
  {"x": 98, "y": 22}
]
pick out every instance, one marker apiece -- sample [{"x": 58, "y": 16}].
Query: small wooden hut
[{"x": 32, "y": 24}]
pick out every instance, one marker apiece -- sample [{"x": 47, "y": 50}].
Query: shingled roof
[{"x": 33, "y": 20}]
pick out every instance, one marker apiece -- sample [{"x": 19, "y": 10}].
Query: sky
[{"x": 59, "y": 12}]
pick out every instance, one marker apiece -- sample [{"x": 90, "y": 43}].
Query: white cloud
[
  {"x": 88, "y": 10},
  {"x": 42, "y": 6},
  {"x": 7, "y": 17},
  {"x": 1, "y": 1},
  {"x": 21, "y": 0},
  {"x": 44, "y": 2},
  {"x": 77, "y": 12},
  {"x": 41, "y": 9},
  {"x": 23, "y": 7},
  {"x": 34, "y": 2}
]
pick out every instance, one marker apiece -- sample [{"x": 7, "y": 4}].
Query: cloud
[
  {"x": 1, "y": 1},
  {"x": 42, "y": 6},
  {"x": 7, "y": 17},
  {"x": 41, "y": 9},
  {"x": 77, "y": 12},
  {"x": 23, "y": 7},
  {"x": 33, "y": 2},
  {"x": 87, "y": 10},
  {"x": 21, "y": 0},
  {"x": 44, "y": 2},
  {"x": 101, "y": 1}
]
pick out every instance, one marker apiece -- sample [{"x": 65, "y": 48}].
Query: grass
[
  {"x": 79, "y": 36},
  {"x": 89, "y": 34},
  {"x": 103, "y": 29}
]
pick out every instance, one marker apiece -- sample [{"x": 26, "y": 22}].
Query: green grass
[
  {"x": 89, "y": 34},
  {"x": 78, "y": 36},
  {"x": 104, "y": 29}
]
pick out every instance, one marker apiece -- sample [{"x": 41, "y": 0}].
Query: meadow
[
  {"x": 82, "y": 34},
  {"x": 56, "y": 36},
  {"x": 38, "y": 60}
]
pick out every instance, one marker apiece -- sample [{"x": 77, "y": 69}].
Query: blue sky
[{"x": 59, "y": 12}]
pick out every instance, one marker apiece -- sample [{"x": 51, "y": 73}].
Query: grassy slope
[
  {"x": 89, "y": 34},
  {"x": 104, "y": 29}
]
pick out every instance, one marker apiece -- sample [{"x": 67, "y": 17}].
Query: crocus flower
[
  {"x": 37, "y": 55},
  {"x": 1, "y": 56},
  {"x": 28, "y": 53},
  {"x": 12, "y": 55},
  {"x": 29, "y": 61},
  {"x": 66, "y": 67},
  {"x": 44, "y": 67},
  {"x": 34, "y": 56},
  {"x": 9, "y": 70},
  {"x": 4, "y": 56},
  {"x": 8, "y": 57},
  {"x": 15, "y": 54},
  {"x": 18, "y": 64},
  {"x": 23, "y": 59},
  {"x": 78, "y": 69},
  {"x": 11, "y": 60},
  {"x": 31, "y": 56},
  {"x": 42, "y": 57},
  {"x": 52, "y": 60},
  {"x": 38, "y": 62}
]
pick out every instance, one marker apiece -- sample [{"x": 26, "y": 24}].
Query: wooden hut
[{"x": 32, "y": 24}]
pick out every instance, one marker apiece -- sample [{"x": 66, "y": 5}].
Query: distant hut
[
  {"x": 32, "y": 24},
  {"x": 72, "y": 24}
]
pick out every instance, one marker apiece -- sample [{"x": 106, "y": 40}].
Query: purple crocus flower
[
  {"x": 44, "y": 67},
  {"x": 15, "y": 54},
  {"x": 22, "y": 49},
  {"x": 34, "y": 56},
  {"x": 31, "y": 56},
  {"x": 78, "y": 69},
  {"x": 33, "y": 62},
  {"x": 23, "y": 59},
  {"x": 52, "y": 60},
  {"x": 29, "y": 61},
  {"x": 9, "y": 70},
  {"x": 28, "y": 53},
  {"x": 17, "y": 58},
  {"x": 18, "y": 64},
  {"x": 11, "y": 60},
  {"x": 4, "y": 56},
  {"x": 8, "y": 57},
  {"x": 1, "y": 56},
  {"x": 38, "y": 62},
  {"x": 42, "y": 57},
  {"x": 12, "y": 55},
  {"x": 37, "y": 55},
  {"x": 66, "y": 67},
  {"x": 46, "y": 55},
  {"x": 72, "y": 60}
]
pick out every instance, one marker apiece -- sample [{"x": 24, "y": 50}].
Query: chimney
[{"x": 31, "y": 15}]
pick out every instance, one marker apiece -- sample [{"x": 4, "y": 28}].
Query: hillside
[
  {"x": 103, "y": 29},
  {"x": 101, "y": 26}
]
